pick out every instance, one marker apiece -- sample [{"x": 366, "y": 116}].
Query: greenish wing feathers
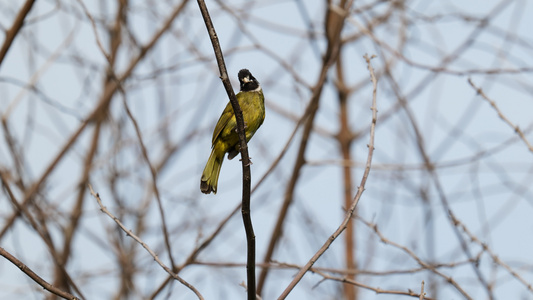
[{"x": 222, "y": 122}]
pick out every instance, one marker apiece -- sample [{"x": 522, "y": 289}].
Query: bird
[{"x": 225, "y": 137}]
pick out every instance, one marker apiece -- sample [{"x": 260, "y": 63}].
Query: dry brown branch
[
  {"x": 345, "y": 137},
  {"x": 329, "y": 58},
  {"x": 99, "y": 111},
  {"x": 324, "y": 273},
  {"x": 38, "y": 224},
  {"x": 143, "y": 244},
  {"x": 426, "y": 158},
  {"x": 358, "y": 195},
  {"x": 448, "y": 183},
  {"x": 15, "y": 28},
  {"x": 26, "y": 270}
]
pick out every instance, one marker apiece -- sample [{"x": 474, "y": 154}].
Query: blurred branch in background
[
  {"x": 143, "y": 244},
  {"x": 450, "y": 189},
  {"x": 501, "y": 115},
  {"x": 353, "y": 204}
]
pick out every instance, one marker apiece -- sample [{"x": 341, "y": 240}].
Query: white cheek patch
[{"x": 258, "y": 89}]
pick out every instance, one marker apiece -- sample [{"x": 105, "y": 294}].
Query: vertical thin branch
[
  {"x": 345, "y": 137},
  {"x": 246, "y": 174},
  {"x": 422, "y": 293},
  {"x": 360, "y": 190}
]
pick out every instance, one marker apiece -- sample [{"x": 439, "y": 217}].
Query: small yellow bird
[{"x": 225, "y": 137}]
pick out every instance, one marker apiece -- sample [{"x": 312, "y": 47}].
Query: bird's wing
[{"x": 222, "y": 121}]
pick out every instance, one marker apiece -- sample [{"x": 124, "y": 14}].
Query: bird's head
[{"x": 248, "y": 82}]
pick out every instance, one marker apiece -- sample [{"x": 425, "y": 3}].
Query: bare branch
[
  {"x": 360, "y": 190},
  {"x": 501, "y": 115},
  {"x": 246, "y": 173},
  {"x": 26, "y": 270},
  {"x": 15, "y": 28},
  {"x": 143, "y": 244}
]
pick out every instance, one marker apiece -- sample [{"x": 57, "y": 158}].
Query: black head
[{"x": 247, "y": 81}]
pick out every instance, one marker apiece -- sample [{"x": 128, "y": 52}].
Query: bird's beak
[{"x": 246, "y": 79}]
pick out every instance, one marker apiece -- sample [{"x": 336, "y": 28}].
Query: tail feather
[{"x": 209, "y": 180}]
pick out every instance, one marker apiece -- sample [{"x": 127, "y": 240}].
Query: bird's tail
[{"x": 209, "y": 180}]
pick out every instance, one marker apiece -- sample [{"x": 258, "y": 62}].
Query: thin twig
[
  {"x": 153, "y": 173},
  {"x": 422, "y": 294},
  {"x": 377, "y": 290},
  {"x": 422, "y": 263},
  {"x": 145, "y": 246},
  {"x": 95, "y": 30},
  {"x": 360, "y": 189},
  {"x": 324, "y": 273},
  {"x": 501, "y": 115},
  {"x": 493, "y": 255}
]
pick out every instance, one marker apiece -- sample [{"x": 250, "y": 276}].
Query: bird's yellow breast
[{"x": 252, "y": 104}]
